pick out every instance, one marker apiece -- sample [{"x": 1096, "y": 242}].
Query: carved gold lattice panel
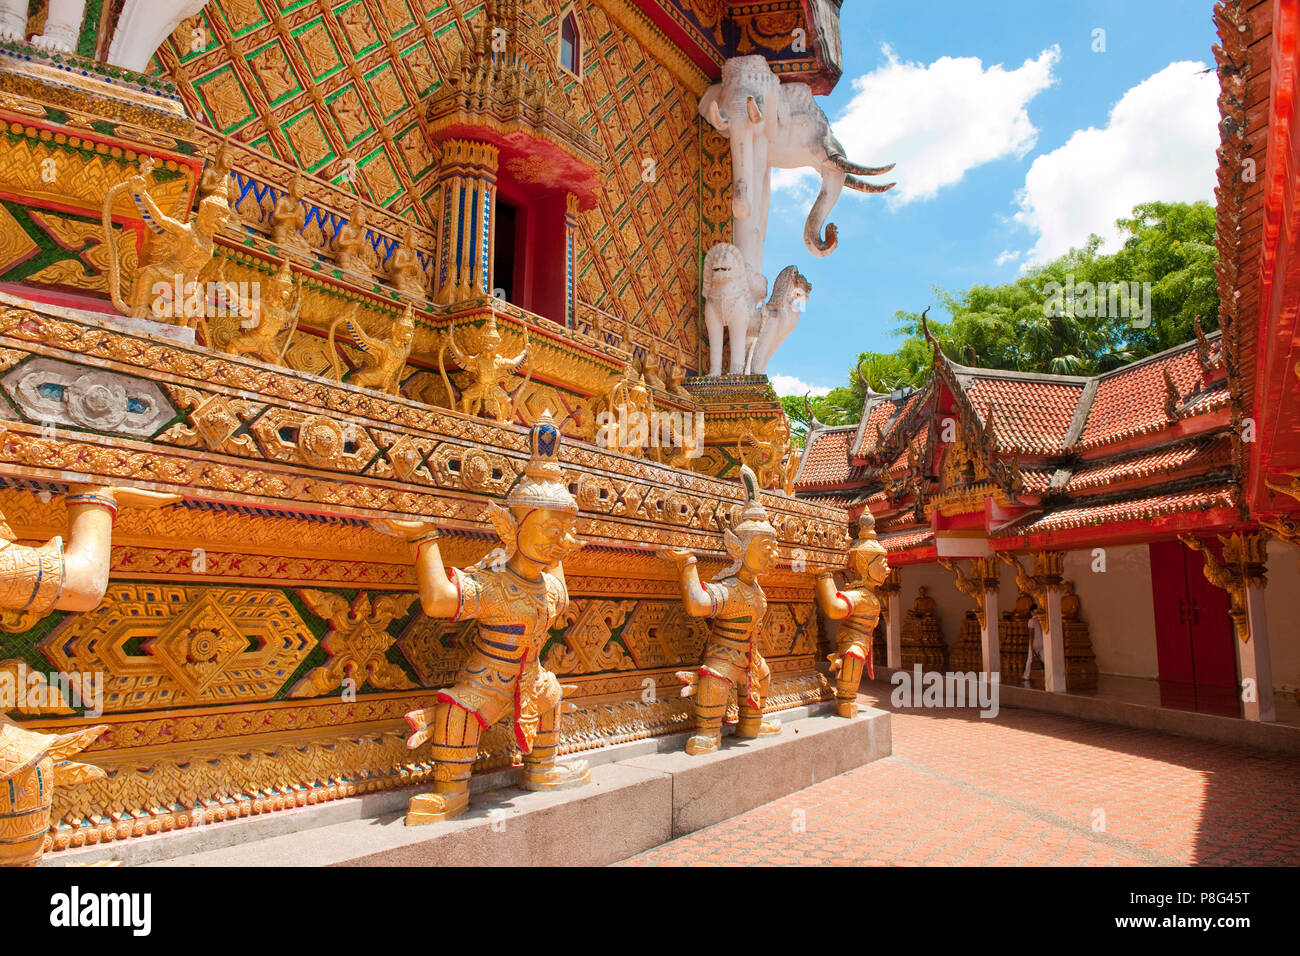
[
  {"x": 589, "y": 645},
  {"x": 777, "y": 634},
  {"x": 160, "y": 645},
  {"x": 436, "y": 648},
  {"x": 661, "y": 634}
]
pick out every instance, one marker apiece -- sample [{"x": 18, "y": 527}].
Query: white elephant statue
[
  {"x": 733, "y": 306},
  {"x": 733, "y": 295},
  {"x": 778, "y": 317},
  {"x": 774, "y": 124}
]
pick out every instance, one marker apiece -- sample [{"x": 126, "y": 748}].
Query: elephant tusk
[
  {"x": 717, "y": 119},
  {"x": 862, "y": 186},
  {"x": 845, "y": 164}
]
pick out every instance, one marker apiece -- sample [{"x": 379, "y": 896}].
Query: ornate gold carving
[
  {"x": 1244, "y": 559},
  {"x": 161, "y": 645},
  {"x": 922, "y": 637},
  {"x": 357, "y": 643},
  {"x": 276, "y": 314},
  {"x": 385, "y": 358},
  {"x": 175, "y": 255},
  {"x": 213, "y": 421}
]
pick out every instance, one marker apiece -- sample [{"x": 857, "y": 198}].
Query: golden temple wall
[
  {"x": 321, "y": 86},
  {"x": 234, "y": 620}
]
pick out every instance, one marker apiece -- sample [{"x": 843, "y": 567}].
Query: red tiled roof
[
  {"x": 1036, "y": 480},
  {"x": 1029, "y": 415},
  {"x": 1131, "y": 401},
  {"x": 1204, "y": 453},
  {"x": 826, "y": 462},
  {"x": 906, "y": 540},
  {"x": 836, "y": 501},
  {"x": 888, "y": 413},
  {"x": 1199, "y": 499}
]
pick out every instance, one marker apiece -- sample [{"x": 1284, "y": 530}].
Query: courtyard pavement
[{"x": 1023, "y": 789}]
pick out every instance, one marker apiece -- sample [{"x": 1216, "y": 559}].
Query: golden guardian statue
[
  {"x": 515, "y": 593},
  {"x": 859, "y": 609},
  {"x": 737, "y": 605}
]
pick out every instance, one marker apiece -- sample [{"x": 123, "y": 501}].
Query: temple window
[{"x": 570, "y": 44}]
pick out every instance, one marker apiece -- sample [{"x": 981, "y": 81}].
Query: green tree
[{"x": 1010, "y": 326}]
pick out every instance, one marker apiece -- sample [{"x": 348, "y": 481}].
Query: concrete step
[{"x": 641, "y": 795}]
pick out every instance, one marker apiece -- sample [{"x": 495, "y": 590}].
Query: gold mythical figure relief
[
  {"x": 516, "y": 593},
  {"x": 275, "y": 312},
  {"x": 859, "y": 609},
  {"x": 488, "y": 370},
  {"x": 735, "y": 601},
  {"x": 166, "y": 284},
  {"x": 386, "y": 358}
]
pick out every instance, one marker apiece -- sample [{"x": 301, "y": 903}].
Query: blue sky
[{"x": 966, "y": 97}]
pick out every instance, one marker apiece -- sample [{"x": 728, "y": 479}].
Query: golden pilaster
[{"x": 466, "y": 231}]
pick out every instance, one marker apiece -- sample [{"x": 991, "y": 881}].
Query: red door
[{"x": 1193, "y": 630}]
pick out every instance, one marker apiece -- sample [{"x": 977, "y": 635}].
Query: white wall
[{"x": 1118, "y": 607}]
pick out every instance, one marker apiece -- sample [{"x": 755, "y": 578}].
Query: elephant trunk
[{"x": 812, "y": 227}]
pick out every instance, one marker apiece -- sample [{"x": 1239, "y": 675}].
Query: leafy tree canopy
[{"x": 1081, "y": 314}]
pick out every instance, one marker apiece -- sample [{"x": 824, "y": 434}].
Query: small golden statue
[
  {"x": 488, "y": 369},
  {"x": 769, "y": 449},
  {"x": 35, "y": 581},
  {"x": 516, "y": 593},
  {"x": 623, "y": 417},
  {"x": 218, "y": 171},
  {"x": 677, "y": 382},
  {"x": 859, "y": 609},
  {"x": 275, "y": 312},
  {"x": 736, "y": 602},
  {"x": 289, "y": 217},
  {"x": 793, "y": 459},
  {"x": 174, "y": 255},
  {"x": 352, "y": 249},
  {"x": 387, "y": 357},
  {"x": 650, "y": 367},
  {"x": 31, "y": 766},
  {"x": 404, "y": 270}
]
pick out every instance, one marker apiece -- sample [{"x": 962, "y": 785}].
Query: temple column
[
  {"x": 466, "y": 233},
  {"x": 1049, "y": 570},
  {"x": 987, "y": 568},
  {"x": 893, "y": 608},
  {"x": 570, "y": 259},
  {"x": 1253, "y": 660}
]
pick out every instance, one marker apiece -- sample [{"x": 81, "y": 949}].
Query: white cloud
[
  {"x": 938, "y": 121},
  {"x": 1007, "y": 255},
  {"x": 1158, "y": 144},
  {"x": 789, "y": 385}
]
